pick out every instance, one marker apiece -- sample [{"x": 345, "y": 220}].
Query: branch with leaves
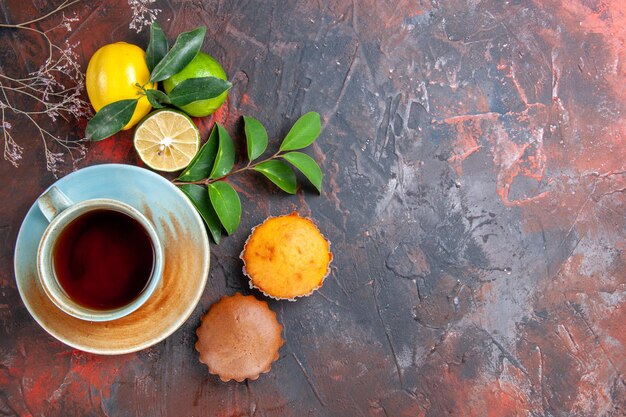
[
  {"x": 162, "y": 62},
  {"x": 204, "y": 180}
]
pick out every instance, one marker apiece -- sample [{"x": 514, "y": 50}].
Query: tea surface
[{"x": 103, "y": 259}]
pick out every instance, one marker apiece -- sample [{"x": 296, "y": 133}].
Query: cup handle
[{"x": 53, "y": 202}]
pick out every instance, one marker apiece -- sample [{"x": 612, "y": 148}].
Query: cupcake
[
  {"x": 286, "y": 257},
  {"x": 239, "y": 338}
]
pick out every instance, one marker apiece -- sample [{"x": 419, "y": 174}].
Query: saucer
[{"x": 186, "y": 254}]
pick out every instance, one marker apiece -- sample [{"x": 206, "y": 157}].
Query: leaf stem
[{"x": 249, "y": 166}]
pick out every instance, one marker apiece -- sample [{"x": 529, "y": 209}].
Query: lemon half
[{"x": 167, "y": 140}]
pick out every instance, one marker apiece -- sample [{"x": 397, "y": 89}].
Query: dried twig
[
  {"x": 55, "y": 90},
  {"x": 143, "y": 15}
]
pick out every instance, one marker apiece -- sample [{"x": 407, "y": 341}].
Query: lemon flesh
[{"x": 167, "y": 140}]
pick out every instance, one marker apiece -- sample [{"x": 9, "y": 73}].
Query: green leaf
[
  {"x": 158, "y": 99},
  {"x": 110, "y": 119},
  {"x": 307, "y": 166},
  {"x": 194, "y": 89},
  {"x": 200, "y": 166},
  {"x": 256, "y": 137},
  {"x": 184, "y": 50},
  {"x": 158, "y": 46},
  {"x": 225, "y": 158},
  {"x": 303, "y": 133},
  {"x": 227, "y": 205},
  {"x": 200, "y": 199},
  {"x": 279, "y": 173}
]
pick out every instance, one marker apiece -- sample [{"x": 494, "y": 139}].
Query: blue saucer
[{"x": 186, "y": 254}]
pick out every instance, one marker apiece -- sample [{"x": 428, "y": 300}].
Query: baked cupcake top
[
  {"x": 286, "y": 257},
  {"x": 239, "y": 338}
]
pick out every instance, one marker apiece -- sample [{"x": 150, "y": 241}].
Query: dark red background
[{"x": 474, "y": 167}]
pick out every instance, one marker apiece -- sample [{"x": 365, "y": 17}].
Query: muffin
[
  {"x": 286, "y": 257},
  {"x": 239, "y": 338}
]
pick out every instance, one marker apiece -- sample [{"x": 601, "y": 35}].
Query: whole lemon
[
  {"x": 202, "y": 65},
  {"x": 112, "y": 73}
]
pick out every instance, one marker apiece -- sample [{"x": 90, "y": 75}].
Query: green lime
[
  {"x": 202, "y": 65},
  {"x": 167, "y": 140}
]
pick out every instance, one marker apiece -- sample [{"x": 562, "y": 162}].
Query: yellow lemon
[{"x": 112, "y": 73}]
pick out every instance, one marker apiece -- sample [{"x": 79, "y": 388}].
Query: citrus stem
[
  {"x": 249, "y": 166},
  {"x": 143, "y": 88}
]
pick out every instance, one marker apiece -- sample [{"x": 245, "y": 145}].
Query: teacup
[{"x": 98, "y": 259}]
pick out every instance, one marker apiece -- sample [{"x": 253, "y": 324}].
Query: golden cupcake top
[
  {"x": 239, "y": 338},
  {"x": 286, "y": 257}
]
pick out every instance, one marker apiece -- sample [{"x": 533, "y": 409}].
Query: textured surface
[{"x": 474, "y": 197}]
